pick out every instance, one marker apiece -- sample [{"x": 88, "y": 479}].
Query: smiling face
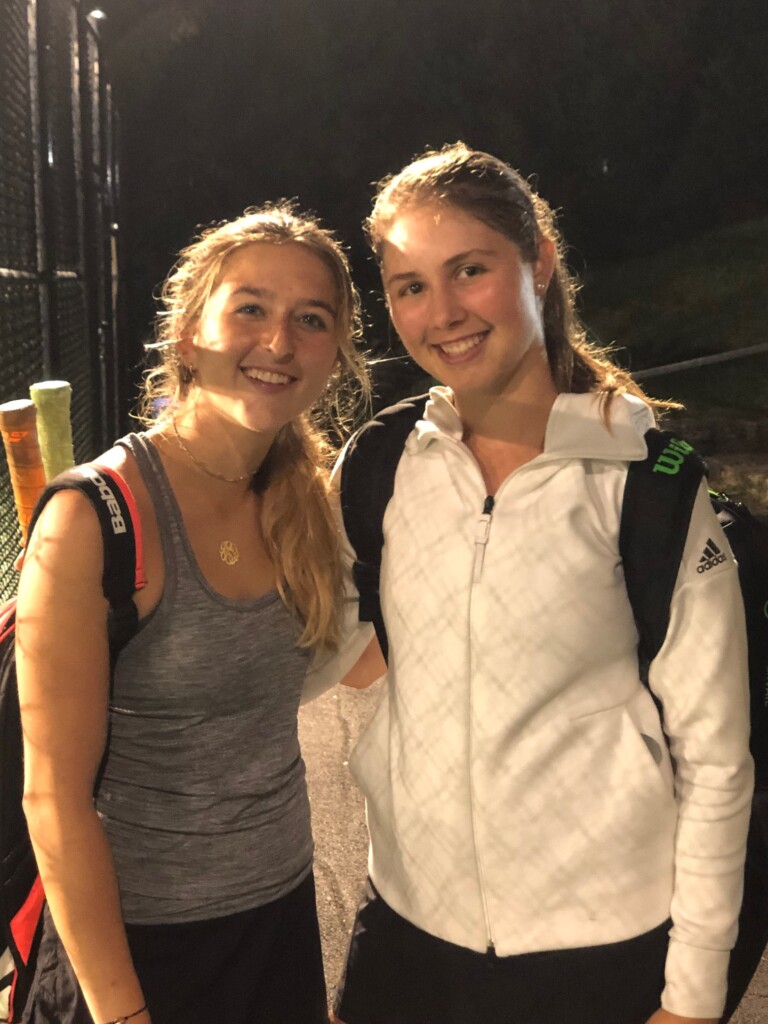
[
  {"x": 465, "y": 303},
  {"x": 266, "y": 340}
]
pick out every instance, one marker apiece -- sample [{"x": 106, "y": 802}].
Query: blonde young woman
[
  {"x": 184, "y": 891},
  {"x": 541, "y": 853}
]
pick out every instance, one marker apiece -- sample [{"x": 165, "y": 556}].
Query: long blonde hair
[
  {"x": 297, "y": 521},
  {"x": 492, "y": 192}
]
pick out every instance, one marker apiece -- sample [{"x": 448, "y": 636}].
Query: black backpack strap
[
  {"x": 367, "y": 481},
  {"x": 655, "y": 513},
  {"x": 118, "y": 516}
]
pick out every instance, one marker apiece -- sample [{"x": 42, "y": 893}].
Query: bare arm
[
  {"x": 63, "y": 673},
  {"x": 369, "y": 667}
]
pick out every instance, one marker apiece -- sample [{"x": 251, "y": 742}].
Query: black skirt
[
  {"x": 398, "y": 974},
  {"x": 260, "y": 965}
]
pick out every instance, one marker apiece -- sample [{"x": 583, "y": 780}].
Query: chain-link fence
[{"x": 58, "y": 230}]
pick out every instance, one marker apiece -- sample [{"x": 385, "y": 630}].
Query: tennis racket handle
[
  {"x": 52, "y": 400},
  {"x": 18, "y": 424}
]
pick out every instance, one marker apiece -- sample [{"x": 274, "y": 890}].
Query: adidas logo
[{"x": 712, "y": 556}]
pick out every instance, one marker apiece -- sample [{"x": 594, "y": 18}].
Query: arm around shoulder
[
  {"x": 368, "y": 669},
  {"x": 357, "y": 662}
]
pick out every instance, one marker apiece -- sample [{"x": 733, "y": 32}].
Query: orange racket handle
[{"x": 18, "y": 425}]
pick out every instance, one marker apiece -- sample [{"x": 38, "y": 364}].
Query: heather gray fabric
[{"x": 203, "y": 795}]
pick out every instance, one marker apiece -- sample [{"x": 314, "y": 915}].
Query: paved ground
[{"x": 329, "y": 729}]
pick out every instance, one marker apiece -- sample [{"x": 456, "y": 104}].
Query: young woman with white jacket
[{"x": 541, "y": 852}]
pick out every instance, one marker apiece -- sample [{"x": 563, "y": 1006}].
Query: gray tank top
[{"x": 203, "y": 795}]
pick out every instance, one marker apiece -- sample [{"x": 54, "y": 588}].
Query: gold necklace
[
  {"x": 202, "y": 465},
  {"x": 229, "y": 552}
]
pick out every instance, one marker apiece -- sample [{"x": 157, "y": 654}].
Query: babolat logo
[
  {"x": 671, "y": 459},
  {"x": 107, "y": 495},
  {"x": 712, "y": 556}
]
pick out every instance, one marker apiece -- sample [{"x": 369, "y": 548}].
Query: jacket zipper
[{"x": 482, "y": 531}]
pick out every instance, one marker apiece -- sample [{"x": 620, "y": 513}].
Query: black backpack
[
  {"x": 656, "y": 509},
  {"x": 21, "y": 892}
]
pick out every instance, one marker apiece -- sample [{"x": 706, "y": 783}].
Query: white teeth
[
  {"x": 457, "y": 348},
  {"x": 268, "y": 377}
]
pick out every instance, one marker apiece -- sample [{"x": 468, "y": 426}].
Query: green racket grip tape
[{"x": 52, "y": 400}]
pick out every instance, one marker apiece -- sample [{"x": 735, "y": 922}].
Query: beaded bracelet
[{"x": 129, "y": 1016}]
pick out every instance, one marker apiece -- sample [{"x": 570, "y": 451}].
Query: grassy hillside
[{"x": 700, "y": 297}]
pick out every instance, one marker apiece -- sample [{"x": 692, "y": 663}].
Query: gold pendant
[{"x": 228, "y": 552}]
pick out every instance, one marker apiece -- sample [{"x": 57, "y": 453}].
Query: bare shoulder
[
  {"x": 66, "y": 546},
  {"x": 123, "y": 462},
  {"x": 65, "y": 552}
]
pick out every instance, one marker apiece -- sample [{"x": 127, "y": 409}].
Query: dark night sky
[{"x": 644, "y": 121}]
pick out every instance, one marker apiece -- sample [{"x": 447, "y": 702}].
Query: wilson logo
[
  {"x": 671, "y": 459},
  {"x": 107, "y": 495},
  {"x": 712, "y": 556}
]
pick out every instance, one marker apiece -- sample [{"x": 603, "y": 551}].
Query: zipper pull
[{"x": 482, "y": 530}]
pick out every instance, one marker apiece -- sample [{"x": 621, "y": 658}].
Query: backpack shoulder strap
[
  {"x": 367, "y": 481},
  {"x": 115, "y": 506},
  {"x": 656, "y": 510}
]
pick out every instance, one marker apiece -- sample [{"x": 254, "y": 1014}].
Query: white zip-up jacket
[{"x": 519, "y": 788}]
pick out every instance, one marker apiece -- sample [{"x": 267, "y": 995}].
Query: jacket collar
[{"x": 575, "y": 429}]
